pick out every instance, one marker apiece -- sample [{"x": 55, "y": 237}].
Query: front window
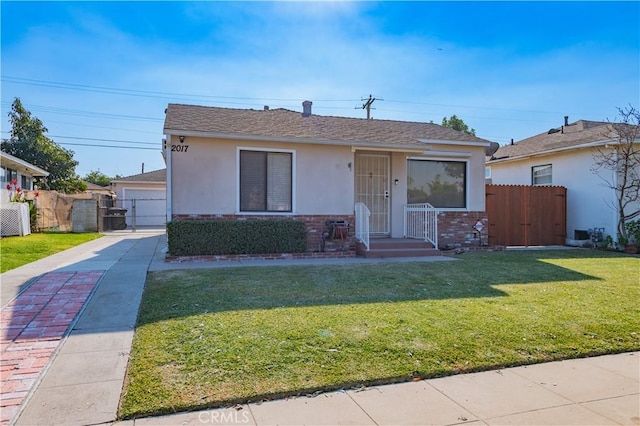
[
  {"x": 541, "y": 175},
  {"x": 26, "y": 182},
  {"x": 443, "y": 184},
  {"x": 11, "y": 175},
  {"x": 265, "y": 181}
]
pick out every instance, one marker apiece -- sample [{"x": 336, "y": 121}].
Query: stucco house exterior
[
  {"x": 24, "y": 173},
  {"x": 236, "y": 164},
  {"x": 564, "y": 156},
  {"x": 143, "y": 195}
]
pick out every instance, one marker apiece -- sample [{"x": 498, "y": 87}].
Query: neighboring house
[
  {"x": 92, "y": 188},
  {"x": 275, "y": 163},
  {"x": 13, "y": 168},
  {"x": 144, "y": 196},
  {"x": 564, "y": 156}
]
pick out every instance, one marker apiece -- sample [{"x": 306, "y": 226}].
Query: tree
[
  {"x": 456, "y": 123},
  {"x": 29, "y": 143},
  {"x": 99, "y": 178},
  {"x": 618, "y": 165}
]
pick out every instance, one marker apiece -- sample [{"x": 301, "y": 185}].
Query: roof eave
[
  {"x": 138, "y": 181},
  {"x": 287, "y": 139},
  {"x": 553, "y": 151},
  {"x": 454, "y": 142},
  {"x": 35, "y": 171}
]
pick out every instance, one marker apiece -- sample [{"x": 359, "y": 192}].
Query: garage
[
  {"x": 144, "y": 197},
  {"x": 145, "y": 207}
]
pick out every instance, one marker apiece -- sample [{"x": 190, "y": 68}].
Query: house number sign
[{"x": 181, "y": 147}]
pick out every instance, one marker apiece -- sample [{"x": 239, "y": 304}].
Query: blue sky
[{"x": 102, "y": 73}]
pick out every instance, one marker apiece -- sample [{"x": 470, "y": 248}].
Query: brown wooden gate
[{"x": 521, "y": 215}]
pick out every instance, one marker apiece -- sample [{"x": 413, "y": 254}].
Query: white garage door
[{"x": 148, "y": 207}]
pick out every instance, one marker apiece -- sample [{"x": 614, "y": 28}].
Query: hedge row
[{"x": 219, "y": 237}]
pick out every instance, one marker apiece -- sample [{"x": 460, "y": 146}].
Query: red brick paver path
[{"x": 33, "y": 324}]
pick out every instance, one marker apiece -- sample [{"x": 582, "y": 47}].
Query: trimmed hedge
[{"x": 221, "y": 237}]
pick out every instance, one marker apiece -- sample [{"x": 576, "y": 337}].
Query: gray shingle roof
[
  {"x": 154, "y": 176},
  {"x": 283, "y": 123},
  {"x": 575, "y": 134}
]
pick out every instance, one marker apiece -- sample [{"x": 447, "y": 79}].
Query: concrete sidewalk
[
  {"x": 82, "y": 383},
  {"x": 592, "y": 391}
]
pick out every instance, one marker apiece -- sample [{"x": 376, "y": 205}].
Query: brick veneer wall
[
  {"x": 316, "y": 225},
  {"x": 455, "y": 229}
]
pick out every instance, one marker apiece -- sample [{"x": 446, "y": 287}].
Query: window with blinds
[
  {"x": 541, "y": 175},
  {"x": 265, "y": 181}
]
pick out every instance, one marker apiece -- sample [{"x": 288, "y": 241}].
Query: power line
[
  {"x": 225, "y": 99},
  {"x": 476, "y": 107},
  {"x": 103, "y": 127},
  {"x": 84, "y": 113},
  {"x": 105, "y": 140},
  {"x": 145, "y": 93},
  {"x": 108, "y": 146},
  {"x": 97, "y": 139}
]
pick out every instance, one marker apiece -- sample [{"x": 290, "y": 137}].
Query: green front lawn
[
  {"x": 18, "y": 251},
  {"x": 212, "y": 337}
]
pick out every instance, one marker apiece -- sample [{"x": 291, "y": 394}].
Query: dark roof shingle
[
  {"x": 283, "y": 123},
  {"x": 154, "y": 176},
  {"x": 575, "y": 134}
]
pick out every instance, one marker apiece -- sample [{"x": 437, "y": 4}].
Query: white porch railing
[
  {"x": 421, "y": 222},
  {"x": 363, "y": 217}
]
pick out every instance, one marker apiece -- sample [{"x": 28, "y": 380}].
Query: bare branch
[{"x": 617, "y": 163}]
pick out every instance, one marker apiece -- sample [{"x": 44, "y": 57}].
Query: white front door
[{"x": 372, "y": 189}]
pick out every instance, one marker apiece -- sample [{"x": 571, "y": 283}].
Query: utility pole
[{"x": 368, "y": 103}]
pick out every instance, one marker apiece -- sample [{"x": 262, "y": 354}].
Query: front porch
[
  {"x": 426, "y": 231},
  {"x": 385, "y": 247}
]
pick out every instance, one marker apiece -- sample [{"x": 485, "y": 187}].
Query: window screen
[{"x": 265, "y": 181}]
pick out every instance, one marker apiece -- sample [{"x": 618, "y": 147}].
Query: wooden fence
[{"x": 521, "y": 215}]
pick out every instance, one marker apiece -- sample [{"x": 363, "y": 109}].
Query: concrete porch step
[
  {"x": 397, "y": 247},
  {"x": 400, "y": 252},
  {"x": 398, "y": 243}
]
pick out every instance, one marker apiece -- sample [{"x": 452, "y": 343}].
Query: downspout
[{"x": 167, "y": 148}]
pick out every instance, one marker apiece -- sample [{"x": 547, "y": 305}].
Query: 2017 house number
[{"x": 179, "y": 148}]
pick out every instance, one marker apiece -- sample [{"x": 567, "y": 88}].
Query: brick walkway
[{"x": 33, "y": 324}]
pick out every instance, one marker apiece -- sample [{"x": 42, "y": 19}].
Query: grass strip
[{"x": 18, "y": 251}]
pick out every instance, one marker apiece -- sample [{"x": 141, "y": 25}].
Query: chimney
[
  {"x": 306, "y": 108},
  {"x": 566, "y": 120},
  {"x": 511, "y": 141},
  {"x": 266, "y": 107}
]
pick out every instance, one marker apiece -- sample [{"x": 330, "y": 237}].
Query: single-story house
[
  {"x": 143, "y": 196},
  {"x": 24, "y": 173},
  {"x": 376, "y": 175},
  {"x": 564, "y": 156},
  {"x": 92, "y": 188}
]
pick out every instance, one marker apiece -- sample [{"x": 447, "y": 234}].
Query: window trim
[
  {"x": 541, "y": 166},
  {"x": 293, "y": 181},
  {"x": 466, "y": 180}
]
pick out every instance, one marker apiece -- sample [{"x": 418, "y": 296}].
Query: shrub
[
  {"x": 220, "y": 237},
  {"x": 633, "y": 232}
]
